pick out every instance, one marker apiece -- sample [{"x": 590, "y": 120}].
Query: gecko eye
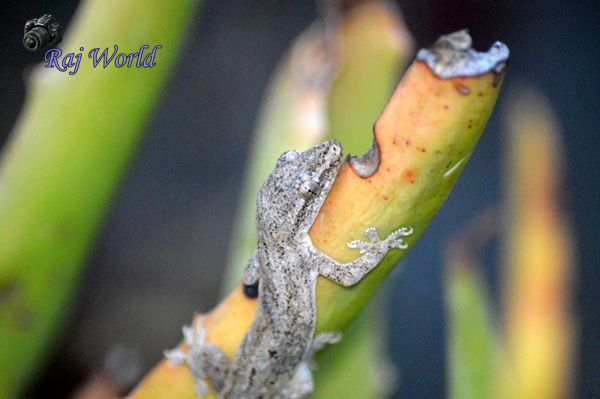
[
  {"x": 309, "y": 189},
  {"x": 287, "y": 156}
]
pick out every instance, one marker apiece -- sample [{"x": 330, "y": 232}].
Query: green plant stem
[{"x": 63, "y": 163}]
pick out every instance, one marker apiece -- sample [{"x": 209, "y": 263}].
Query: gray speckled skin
[{"x": 273, "y": 360}]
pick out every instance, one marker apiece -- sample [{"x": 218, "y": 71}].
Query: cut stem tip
[{"x": 452, "y": 56}]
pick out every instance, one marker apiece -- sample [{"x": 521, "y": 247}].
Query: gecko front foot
[
  {"x": 377, "y": 246},
  {"x": 372, "y": 252}
]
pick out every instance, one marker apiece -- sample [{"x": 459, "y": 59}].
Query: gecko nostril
[
  {"x": 336, "y": 149},
  {"x": 334, "y": 154}
]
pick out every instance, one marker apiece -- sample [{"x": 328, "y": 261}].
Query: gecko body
[{"x": 274, "y": 358}]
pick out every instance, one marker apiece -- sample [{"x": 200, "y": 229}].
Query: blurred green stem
[
  {"x": 63, "y": 163},
  {"x": 473, "y": 350}
]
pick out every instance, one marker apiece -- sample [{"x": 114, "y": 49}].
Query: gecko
[{"x": 274, "y": 360}]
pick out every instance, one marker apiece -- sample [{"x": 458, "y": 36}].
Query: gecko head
[{"x": 292, "y": 195}]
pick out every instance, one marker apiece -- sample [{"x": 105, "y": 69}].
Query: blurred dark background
[{"x": 162, "y": 252}]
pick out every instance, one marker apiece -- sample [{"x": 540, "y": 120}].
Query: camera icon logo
[{"x": 41, "y": 32}]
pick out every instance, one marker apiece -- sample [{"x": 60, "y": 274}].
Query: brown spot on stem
[
  {"x": 446, "y": 106},
  {"x": 409, "y": 176}
]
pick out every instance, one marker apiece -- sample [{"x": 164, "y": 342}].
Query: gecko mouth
[{"x": 328, "y": 176}]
